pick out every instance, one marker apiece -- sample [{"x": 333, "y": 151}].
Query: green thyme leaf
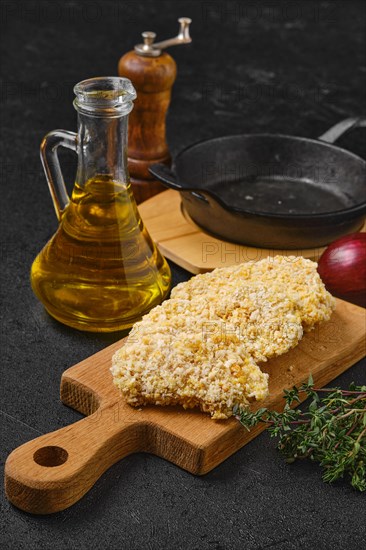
[{"x": 332, "y": 431}]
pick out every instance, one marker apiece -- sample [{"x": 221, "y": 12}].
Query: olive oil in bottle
[{"x": 100, "y": 271}]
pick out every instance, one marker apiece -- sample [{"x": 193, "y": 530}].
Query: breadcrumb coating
[{"x": 200, "y": 348}]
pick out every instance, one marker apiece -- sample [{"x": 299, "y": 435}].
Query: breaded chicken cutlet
[{"x": 200, "y": 348}]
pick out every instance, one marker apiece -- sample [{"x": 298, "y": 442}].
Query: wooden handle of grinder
[{"x": 153, "y": 78}]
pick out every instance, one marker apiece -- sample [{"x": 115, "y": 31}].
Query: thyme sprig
[{"x": 332, "y": 431}]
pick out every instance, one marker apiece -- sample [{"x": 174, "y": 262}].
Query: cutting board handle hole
[{"x": 50, "y": 456}]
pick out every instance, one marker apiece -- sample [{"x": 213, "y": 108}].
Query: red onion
[{"x": 342, "y": 267}]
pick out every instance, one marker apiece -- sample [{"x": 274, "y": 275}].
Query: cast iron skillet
[{"x": 272, "y": 190}]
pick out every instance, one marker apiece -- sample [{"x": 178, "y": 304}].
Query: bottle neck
[{"x": 102, "y": 148}]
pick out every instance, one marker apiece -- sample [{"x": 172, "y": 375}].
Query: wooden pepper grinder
[{"x": 152, "y": 73}]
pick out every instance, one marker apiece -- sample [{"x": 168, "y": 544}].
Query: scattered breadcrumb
[{"x": 200, "y": 348}]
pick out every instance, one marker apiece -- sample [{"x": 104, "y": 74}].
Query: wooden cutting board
[
  {"x": 186, "y": 244},
  {"x": 55, "y": 470}
]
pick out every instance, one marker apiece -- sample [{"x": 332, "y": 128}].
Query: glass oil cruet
[{"x": 101, "y": 271}]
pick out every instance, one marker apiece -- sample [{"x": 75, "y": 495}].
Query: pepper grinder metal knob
[{"x": 153, "y": 73}]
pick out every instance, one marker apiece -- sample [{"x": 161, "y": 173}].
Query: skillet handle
[
  {"x": 163, "y": 173},
  {"x": 335, "y": 132}
]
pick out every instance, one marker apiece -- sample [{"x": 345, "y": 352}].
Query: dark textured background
[{"x": 295, "y": 67}]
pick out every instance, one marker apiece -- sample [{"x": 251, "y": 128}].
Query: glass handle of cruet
[{"x": 52, "y": 169}]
